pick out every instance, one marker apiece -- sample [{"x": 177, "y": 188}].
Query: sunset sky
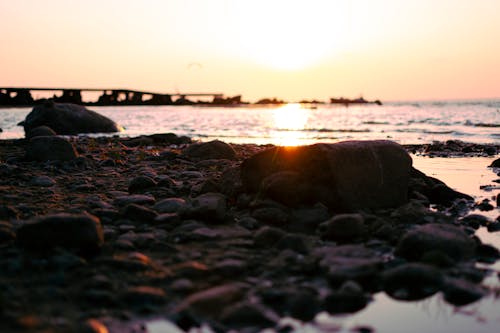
[{"x": 386, "y": 49}]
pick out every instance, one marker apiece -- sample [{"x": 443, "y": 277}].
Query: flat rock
[
  {"x": 344, "y": 176},
  {"x": 82, "y": 233}
]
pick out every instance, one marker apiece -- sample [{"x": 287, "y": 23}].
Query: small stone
[
  {"x": 495, "y": 163},
  {"x": 208, "y": 302},
  {"x": 268, "y": 236},
  {"x": 170, "y": 205},
  {"x": 40, "y": 131},
  {"x": 295, "y": 242},
  {"x": 307, "y": 219},
  {"x": 7, "y": 234},
  {"x": 271, "y": 215},
  {"x": 139, "y": 199},
  {"x": 303, "y": 305},
  {"x": 82, "y": 233},
  {"x": 494, "y": 227},
  {"x": 209, "y": 207},
  {"x": 141, "y": 295},
  {"x": 92, "y": 326},
  {"x": 231, "y": 267},
  {"x": 210, "y": 150},
  {"x": 446, "y": 238},
  {"x": 248, "y": 314},
  {"x": 343, "y": 228},
  {"x": 461, "y": 292},
  {"x": 139, "y": 213},
  {"x": 412, "y": 281},
  {"x": 346, "y": 300},
  {"x": 43, "y": 181},
  {"x": 50, "y": 148},
  {"x": 141, "y": 183}
]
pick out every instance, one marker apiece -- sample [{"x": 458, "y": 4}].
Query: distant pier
[{"x": 21, "y": 96}]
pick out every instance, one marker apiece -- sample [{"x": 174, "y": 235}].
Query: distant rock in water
[
  {"x": 345, "y": 176},
  {"x": 68, "y": 119}
]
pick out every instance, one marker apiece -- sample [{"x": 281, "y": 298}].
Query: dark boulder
[
  {"x": 82, "y": 233},
  {"x": 40, "y": 131},
  {"x": 445, "y": 238},
  {"x": 68, "y": 119},
  {"x": 50, "y": 148},
  {"x": 495, "y": 163},
  {"x": 212, "y": 150},
  {"x": 345, "y": 176}
]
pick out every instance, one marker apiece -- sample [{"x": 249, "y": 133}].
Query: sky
[{"x": 381, "y": 49}]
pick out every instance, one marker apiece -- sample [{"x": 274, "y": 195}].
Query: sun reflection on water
[{"x": 289, "y": 121}]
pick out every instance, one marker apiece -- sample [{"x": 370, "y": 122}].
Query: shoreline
[{"x": 159, "y": 263}]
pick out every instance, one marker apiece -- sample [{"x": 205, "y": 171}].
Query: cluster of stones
[{"x": 96, "y": 231}]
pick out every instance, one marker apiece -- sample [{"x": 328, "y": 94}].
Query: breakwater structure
[{"x": 17, "y": 96}]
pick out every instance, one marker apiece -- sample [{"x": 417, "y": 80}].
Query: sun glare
[
  {"x": 288, "y": 121},
  {"x": 289, "y": 35}
]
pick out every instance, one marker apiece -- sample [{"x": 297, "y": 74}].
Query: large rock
[
  {"x": 79, "y": 232},
  {"x": 68, "y": 119},
  {"x": 345, "y": 176},
  {"x": 445, "y": 238},
  {"x": 50, "y": 148}
]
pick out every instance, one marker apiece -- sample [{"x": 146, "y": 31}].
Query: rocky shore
[{"x": 100, "y": 231}]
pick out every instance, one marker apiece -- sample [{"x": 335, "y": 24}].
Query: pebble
[
  {"x": 139, "y": 199},
  {"x": 141, "y": 183},
  {"x": 210, "y": 207},
  {"x": 268, "y": 236},
  {"x": 270, "y": 215},
  {"x": 343, "y": 228},
  {"x": 139, "y": 213},
  {"x": 82, "y": 233},
  {"x": 170, "y": 205},
  {"x": 412, "y": 281},
  {"x": 43, "y": 181}
]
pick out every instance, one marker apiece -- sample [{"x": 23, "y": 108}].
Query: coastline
[{"x": 142, "y": 261}]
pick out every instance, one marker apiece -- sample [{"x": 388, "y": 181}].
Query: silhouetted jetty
[
  {"x": 347, "y": 101},
  {"x": 22, "y": 96}
]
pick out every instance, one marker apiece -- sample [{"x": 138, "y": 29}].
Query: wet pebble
[
  {"x": 80, "y": 232},
  {"x": 139, "y": 199},
  {"x": 43, "y": 181},
  {"x": 141, "y": 295},
  {"x": 343, "y": 228},
  {"x": 170, "y": 205},
  {"x": 141, "y": 183},
  {"x": 461, "y": 292},
  {"x": 268, "y": 236},
  {"x": 140, "y": 213},
  {"x": 412, "y": 281},
  {"x": 270, "y": 215}
]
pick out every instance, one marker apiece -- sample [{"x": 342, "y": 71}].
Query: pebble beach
[{"x": 128, "y": 233}]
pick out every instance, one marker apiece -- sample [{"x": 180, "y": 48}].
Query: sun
[
  {"x": 288, "y": 122},
  {"x": 288, "y": 35}
]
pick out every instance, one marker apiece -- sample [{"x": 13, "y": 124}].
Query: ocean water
[{"x": 294, "y": 124}]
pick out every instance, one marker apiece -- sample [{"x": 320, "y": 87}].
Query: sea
[
  {"x": 296, "y": 124},
  {"x": 417, "y": 122}
]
